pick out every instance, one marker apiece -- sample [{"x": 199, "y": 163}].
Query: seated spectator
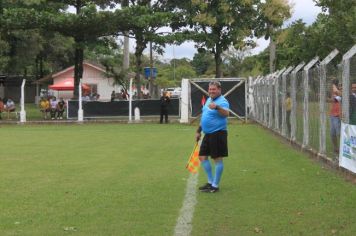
[
  {"x": 60, "y": 109},
  {"x": 113, "y": 96},
  {"x": 1, "y": 107},
  {"x": 44, "y": 107},
  {"x": 9, "y": 107},
  {"x": 124, "y": 94},
  {"x": 53, "y": 104}
]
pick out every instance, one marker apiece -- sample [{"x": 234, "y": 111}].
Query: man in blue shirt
[{"x": 214, "y": 125}]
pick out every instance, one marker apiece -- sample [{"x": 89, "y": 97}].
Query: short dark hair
[
  {"x": 336, "y": 82},
  {"x": 215, "y": 83}
]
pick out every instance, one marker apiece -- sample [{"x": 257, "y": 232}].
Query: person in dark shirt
[
  {"x": 165, "y": 100},
  {"x": 113, "y": 96},
  {"x": 60, "y": 108},
  {"x": 352, "y": 105}
]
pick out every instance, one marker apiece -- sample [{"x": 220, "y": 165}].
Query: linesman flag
[
  {"x": 203, "y": 100},
  {"x": 194, "y": 162}
]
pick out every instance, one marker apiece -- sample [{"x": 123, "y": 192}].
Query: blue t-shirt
[{"x": 211, "y": 120}]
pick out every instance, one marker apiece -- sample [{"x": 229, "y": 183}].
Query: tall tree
[
  {"x": 145, "y": 19},
  {"x": 272, "y": 15},
  {"x": 338, "y": 23},
  {"x": 87, "y": 24},
  {"x": 24, "y": 43},
  {"x": 218, "y": 24},
  {"x": 202, "y": 61}
]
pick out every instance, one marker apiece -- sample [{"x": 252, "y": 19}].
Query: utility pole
[
  {"x": 126, "y": 62},
  {"x": 151, "y": 86}
]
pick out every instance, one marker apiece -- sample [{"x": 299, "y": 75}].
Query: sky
[{"x": 303, "y": 9}]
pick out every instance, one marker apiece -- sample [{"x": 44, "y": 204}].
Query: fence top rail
[
  {"x": 349, "y": 53},
  {"x": 220, "y": 79},
  {"x": 330, "y": 57},
  {"x": 278, "y": 73},
  {"x": 287, "y": 71},
  {"x": 300, "y": 66},
  {"x": 311, "y": 63}
]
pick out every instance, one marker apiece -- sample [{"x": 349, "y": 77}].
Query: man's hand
[
  {"x": 197, "y": 136},
  {"x": 212, "y": 105}
]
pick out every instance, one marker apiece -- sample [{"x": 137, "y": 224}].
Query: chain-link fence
[{"x": 306, "y": 103}]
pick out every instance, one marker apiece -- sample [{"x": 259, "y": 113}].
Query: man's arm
[
  {"x": 198, "y": 134},
  {"x": 222, "y": 111}
]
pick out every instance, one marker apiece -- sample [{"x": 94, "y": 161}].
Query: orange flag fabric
[
  {"x": 194, "y": 162},
  {"x": 203, "y": 101}
]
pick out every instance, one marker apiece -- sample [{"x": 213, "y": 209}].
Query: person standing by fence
[
  {"x": 335, "y": 115},
  {"x": 352, "y": 106},
  {"x": 2, "y": 107},
  {"x": 165, "y": 100}
]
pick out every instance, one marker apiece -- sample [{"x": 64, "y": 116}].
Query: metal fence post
[
  {"x": 265, "y": 100},
  {"x": 306, "y": 102},
  {"x": 270, "y": 98},
  {"x": 322, "y": 102},
  {"x": 346, "y": 84},
  {"x": 283, "y": 98},
  {"x": 293, "y": 94},
  {"x": 276, "y": 99}
]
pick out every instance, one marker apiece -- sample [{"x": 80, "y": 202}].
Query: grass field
[{"x": 117, "y": 179}]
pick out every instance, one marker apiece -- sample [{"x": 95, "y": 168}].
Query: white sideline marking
[{"x": 184, "y": 221}]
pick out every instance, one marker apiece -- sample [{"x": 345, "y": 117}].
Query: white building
[{"x": 94, "y": 80}]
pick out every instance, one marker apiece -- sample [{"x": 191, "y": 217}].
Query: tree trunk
[
  {"x": 78, "y": 66},
  {"x": 272, "y": 55},
  {"x": 79, "y": 55},
  {"x": 126, "y": 62},
  {"x": 140, "y": 46},
  {"x": 218, "y": 62}
]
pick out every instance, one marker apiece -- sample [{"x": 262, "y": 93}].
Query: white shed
[{"x": 93, "y": 76}]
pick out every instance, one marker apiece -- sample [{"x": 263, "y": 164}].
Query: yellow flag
[{"x": 194, "y": 162}]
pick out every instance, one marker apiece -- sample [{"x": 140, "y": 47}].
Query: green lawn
[{"x": 119, "y": 179}]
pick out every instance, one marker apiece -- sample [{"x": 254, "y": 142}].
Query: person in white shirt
[{"x": 53, "y": 103}]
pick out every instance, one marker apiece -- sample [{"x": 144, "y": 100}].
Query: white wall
[{"x": 90, "y": 76}]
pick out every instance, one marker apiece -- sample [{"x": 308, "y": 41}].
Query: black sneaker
[
  {"x": 213, "y": 189},
  {"x": 205, "y": 187}
]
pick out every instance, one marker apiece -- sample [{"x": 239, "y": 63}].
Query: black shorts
[{"x": 214, "y": 145}]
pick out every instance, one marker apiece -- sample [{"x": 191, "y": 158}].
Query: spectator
[
  {"x": 9, "y": 107},
  {"x": 53, "y": 104},
  {"x": 352, "y": 105},
  {"x": 124, "y": 94},
  {"x": 288, "y": 106},
  {"x": 335, "y": 114},
  {"x": 60, "y": 109},
  {"x": 164, "y": 107},
  {"x": 1, "y": 107},
  {"x": 113, "y": 96},
  {"x": 44, "y": 107}
]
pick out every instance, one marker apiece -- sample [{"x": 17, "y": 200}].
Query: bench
[{"x": 16, "y": 113}]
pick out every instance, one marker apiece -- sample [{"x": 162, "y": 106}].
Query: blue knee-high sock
[
  {"x": 207, "y": 167},
  {"x": 219, "y": 168}
]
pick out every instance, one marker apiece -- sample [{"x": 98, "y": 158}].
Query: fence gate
[{"x": 195, "y": 93}]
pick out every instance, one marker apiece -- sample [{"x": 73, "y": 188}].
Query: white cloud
[{"x": 305, "y": 10}]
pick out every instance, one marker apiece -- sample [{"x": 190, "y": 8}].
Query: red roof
[{"x": 67, "y": 85}]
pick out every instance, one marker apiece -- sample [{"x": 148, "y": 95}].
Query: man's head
[
  {"x": 335, "y": 82},
  {"x": 214, "y": 89},
  {"x": 353, "y": 88}
]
